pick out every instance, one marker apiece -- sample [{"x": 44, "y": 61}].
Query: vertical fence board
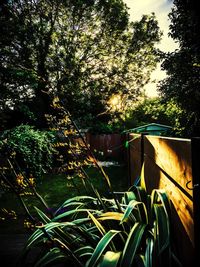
[{"x": 134, "y": 157}]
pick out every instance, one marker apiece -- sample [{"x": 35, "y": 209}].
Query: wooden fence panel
[
  {"x": 110, "y": 145},
  {"x": 168, "y": 166}
]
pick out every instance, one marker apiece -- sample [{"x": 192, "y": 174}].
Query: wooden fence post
[
  {"x": 142, "y": 149},
  {"x": 128, "y": 159},
  {"x": 195, "y": 148}
]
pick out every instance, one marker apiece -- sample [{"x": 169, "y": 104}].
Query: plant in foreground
[{"x": 91, "y": 231}]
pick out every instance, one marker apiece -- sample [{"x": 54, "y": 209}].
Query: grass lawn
[{"x": 55, "y": 189}]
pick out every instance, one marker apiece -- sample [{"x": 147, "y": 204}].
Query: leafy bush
[
  {"x": 32, "y": 148},
  {"x": 155, "y": 110},
  {"x": 90, "y": 231}
]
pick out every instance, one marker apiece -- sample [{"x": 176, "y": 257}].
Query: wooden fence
[
  {"x": 109, "y": 146},
  {"x": 171, "y": 164},
  {"x": 168, "y": 165}
]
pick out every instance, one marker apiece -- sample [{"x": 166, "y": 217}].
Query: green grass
[{"x": 55, "y": 189}]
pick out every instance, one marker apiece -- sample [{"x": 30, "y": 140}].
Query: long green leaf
[
  {"x": 135, "y": 211},
  {"x": 149, "y": 252},
  {"x": 159, "y": 195},
  {"x": 84, "y": 251},
  {"x": 141, "y": 194},
  {"x": 42, "y": 215},
  {"x": 161, "y": 228},
  {"x": 132, "y": 244},
  {"x": 71, "y": 212},
  {"x": 34, "y": 238},
  {"x": 97, "y": 223},
  {"x": 111, "y": 215},
  {"x": 101, "y": 247},
  {"x": 75, "y": 200}
]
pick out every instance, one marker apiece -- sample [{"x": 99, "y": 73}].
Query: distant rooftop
[{"x": 152, "y": 129}]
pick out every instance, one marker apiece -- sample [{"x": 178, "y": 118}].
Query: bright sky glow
[{"x": 161, "y": 8}]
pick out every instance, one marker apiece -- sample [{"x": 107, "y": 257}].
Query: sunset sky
[{"x": 161, "y": 8}]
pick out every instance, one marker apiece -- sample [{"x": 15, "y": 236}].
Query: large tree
[
  {"x": 82, "y": 51},
  {"x": 183, "y": 65}
]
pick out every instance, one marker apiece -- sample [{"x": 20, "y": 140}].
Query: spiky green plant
[{"x": 88, "y": 231}]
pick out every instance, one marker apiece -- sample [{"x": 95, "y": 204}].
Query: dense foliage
[
  {"x": 82, "y": 51},
  {"x": 31, "y": 149},
  {"x": 182, "y": 66},
  {"x": 155, "y": 110}
]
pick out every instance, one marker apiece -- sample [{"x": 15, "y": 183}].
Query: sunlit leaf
[
  {"x": 101, "y": 247},
  {"x": 110, "y": 259},
  {"x": 132, "y": 244}
]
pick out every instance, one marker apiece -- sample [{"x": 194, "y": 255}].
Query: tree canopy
[
  {"x": 156, "y": 110},
  {"x": 183, "y": 65},
  {"x": 82, "y": 51}
]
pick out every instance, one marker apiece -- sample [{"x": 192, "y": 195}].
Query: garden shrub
[
  {"x": 31, "y": 150},
  {"x": 97, "y": 232}
]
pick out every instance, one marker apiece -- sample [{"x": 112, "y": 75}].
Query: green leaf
[
  {"x": 35, "y": 238},
  {"x": 159, "y": 195},
  {"x": 132, "y": 244},
  {"x": 71, "y": 212},
  {"x": 110, "y": 215},
  {"x": 142, "y": 181},
  {"x": 84, "y": 251},
  {"x": 135, "y": 211},
  {"x": 126, "y": 144},
  {"x": 128, "y": 196},
  {"x": 149, "y": 252},
  {"x": 101, "y": 246},
  {"x": 110, "y": 259},
  {"x": 162, "y": 230},
  {"x": 98, "y": 225},
  {"x": 76, "y": 199},
  {"x": 42, "y": 215}
]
